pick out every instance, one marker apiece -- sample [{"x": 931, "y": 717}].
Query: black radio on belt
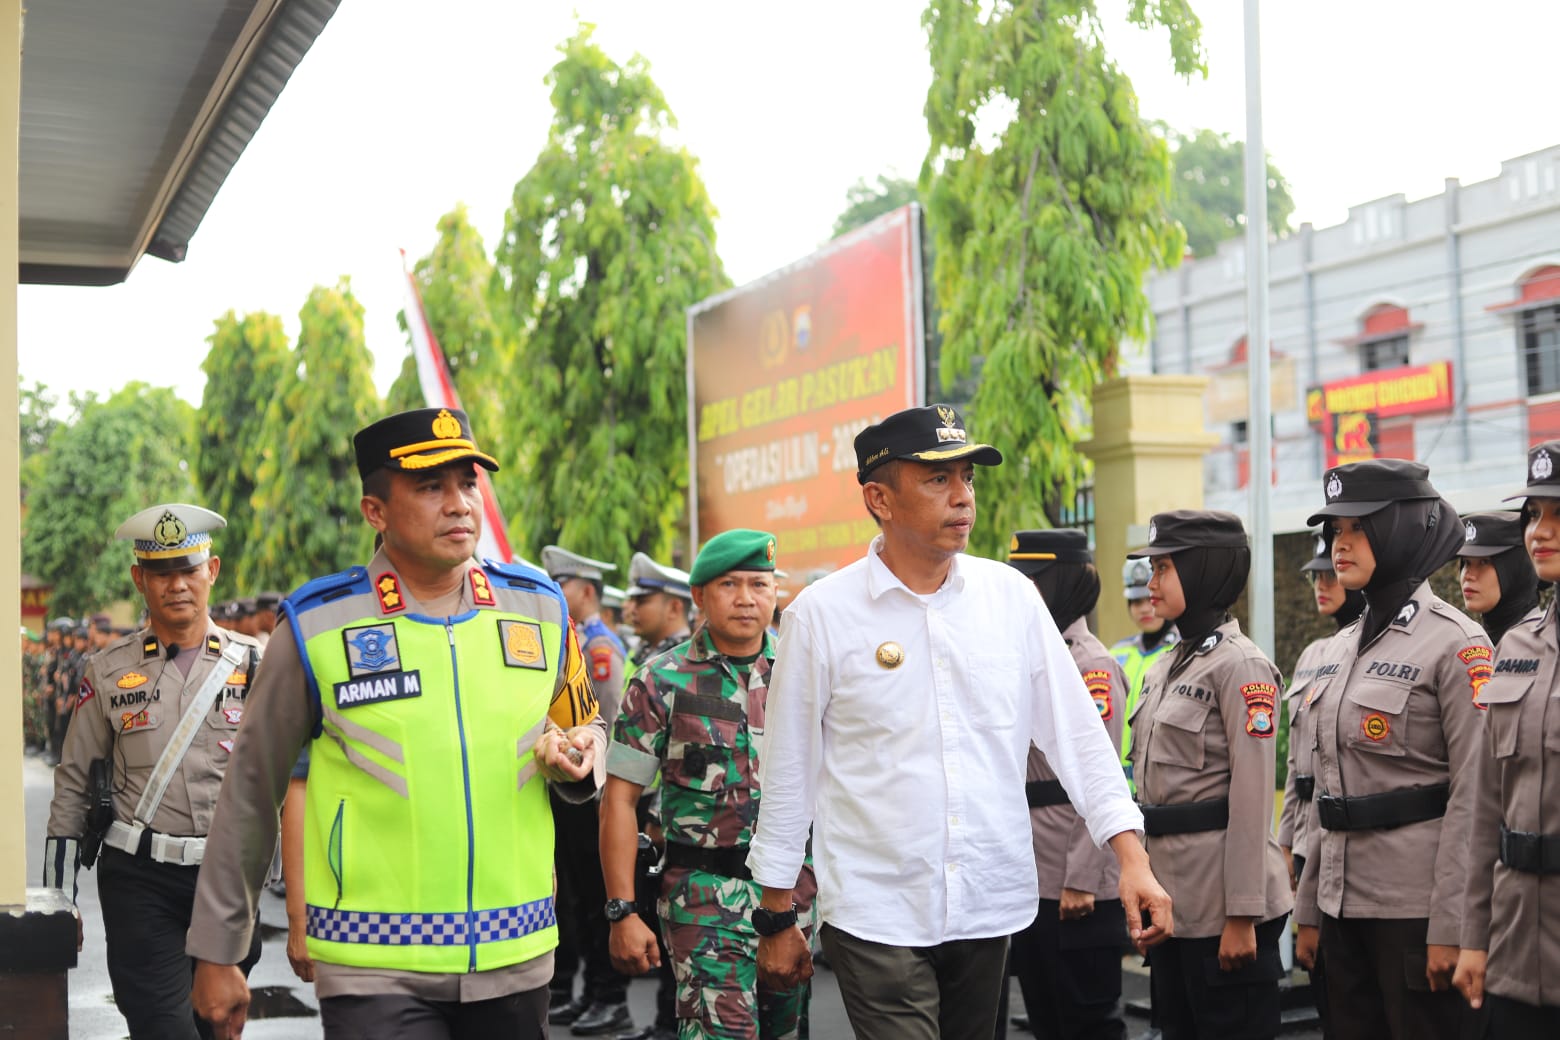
[
  {"x": 647, "y": 874},
  {"x": 100, "y": 814},
  {"x": 1305, "y": 787}
]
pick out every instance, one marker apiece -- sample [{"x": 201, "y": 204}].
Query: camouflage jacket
[{"x": 697, "y": 718}]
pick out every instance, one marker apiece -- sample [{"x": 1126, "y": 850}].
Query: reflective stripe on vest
[{"x": 428, "y": 834}]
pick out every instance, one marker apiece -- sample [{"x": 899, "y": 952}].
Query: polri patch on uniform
[
  {"x": 1098, "y": 683},
  {"x": 1375, "y": 727},
  {"x": 377, "y": 688},
  {"x": 233, "y": 716},
  {"x": 523, "y": 647},
  {"x": 389, "y": 591},
  {"x": 481, "y": 589},
  {"x": 371, "y": 649},
  {"x": 1260, "y": 699}
]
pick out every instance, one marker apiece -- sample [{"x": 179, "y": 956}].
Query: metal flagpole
[{"x": 1259, "y": 429}]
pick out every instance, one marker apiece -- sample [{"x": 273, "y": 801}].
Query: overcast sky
[{"x": 403, "y": 109}]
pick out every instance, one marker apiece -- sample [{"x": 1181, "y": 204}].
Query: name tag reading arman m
[{"x": 373, "y": 689}]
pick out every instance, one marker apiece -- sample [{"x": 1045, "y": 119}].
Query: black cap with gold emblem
[
  {"x": 171, "y": 537},
  {"x": 1363, "y": 488},
  {"x": 1031, "y": 552},
  {"x": 1490, "y": 534},
  {"x": 417, "y": 440},
  {"x": 932, "y": 434},
  {"x": 1321, "y": 556},
  {"x": 1192, "y": 529},
  {"x": 1543, "y": 472}
]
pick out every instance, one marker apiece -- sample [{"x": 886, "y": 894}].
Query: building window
[
  {"x": 1239, "y": 433},
  {"x": 1540, "y": 330},
  {"x": 1384, "y": 353}
]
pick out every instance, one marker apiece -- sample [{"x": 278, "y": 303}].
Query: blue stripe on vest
[{"x": 361, "y": 926}]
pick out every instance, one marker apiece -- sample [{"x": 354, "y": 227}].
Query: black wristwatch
[
  {"x": 767, "y": 922},
  {"x": 617, "y": 909}
]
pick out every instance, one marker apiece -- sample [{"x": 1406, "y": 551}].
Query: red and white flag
[{"x": 439, "y": 392}]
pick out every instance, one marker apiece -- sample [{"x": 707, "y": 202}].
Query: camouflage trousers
[
  {"x": 35, "y": 719},
  {"x": 714, "y": 952}
]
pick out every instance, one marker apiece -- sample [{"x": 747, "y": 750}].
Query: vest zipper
[
  {"x": 334, "y": 849},
  {"x": 471, "y": 836}
]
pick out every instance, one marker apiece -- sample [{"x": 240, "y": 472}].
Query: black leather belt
[
  {"x": 1305, "y": 787},
  {"x": 1530, "y": 853},
  {"x": 1042, "y": 793},
  {"x": 728, "y": 862},
  {"x": 1383, "y": 811},
  {"x": 1186, "y": 818}
]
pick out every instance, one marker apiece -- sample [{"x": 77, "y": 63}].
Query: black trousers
[
  {"x": 519, "y": 1016},
  {"x": 943, "y": 992},
  {"x": 1514, "y": 1020},
  {"x": 1376, "y": 985},
  {"x": 146, "y": 913},
  {"x": 1070, "y": 972},
  {"x": 1195, "y": 1000},
  {"x": 583, "y": 932}
]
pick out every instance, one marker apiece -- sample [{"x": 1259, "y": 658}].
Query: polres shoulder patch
[
  {"x": 1097, "y": 680},
  {"x": 1260, "y": 698}
]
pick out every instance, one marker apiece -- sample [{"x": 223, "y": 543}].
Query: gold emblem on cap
[
  {"x": 1013, "y": 546},
  {"x": 890, "y": 655},
  {"x": 769, "y": 550},
  {"x": 445, "y": 425},
  {"x": 946, "y": 415},
  {"x": 170, "y": 531}
]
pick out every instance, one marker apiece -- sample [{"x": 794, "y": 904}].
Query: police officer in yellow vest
[{"x": 441, "y": 695}]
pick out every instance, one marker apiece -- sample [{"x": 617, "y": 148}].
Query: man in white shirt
[{"x": 906, "y": 691}]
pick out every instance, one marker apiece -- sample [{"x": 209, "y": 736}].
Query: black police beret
[
  {"x": 1192, "y": 529},
  {"x": 1032, "y": 551}
]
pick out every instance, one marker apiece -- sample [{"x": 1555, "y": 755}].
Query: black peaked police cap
[
  {"x": 1490, "y": 534},
  {"x": 1363, "y": 488},
  {"x": 1192, "y": 529},
  {"x": 1031, "y": 552},
  {"x": 1543, "y": 472},
  {"x": 417, "y": 440},
  {"x": 932, "y": 434}
]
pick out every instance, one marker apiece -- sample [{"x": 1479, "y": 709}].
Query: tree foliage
[
  {"x": 1209, "y": 194},
  {"x": 609, "y": 238},
  {"x": 114, "y": 457},
  {"x": 307, "y": 487},
  {"x": 456, "y": 280},
  {"x": 406, "y": 392},
  {"x": 865, "y": 202},
  {"x": 248, "y": 359},
  {"x": 1043, "y": 229}
]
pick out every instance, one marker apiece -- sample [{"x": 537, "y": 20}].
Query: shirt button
[
  {"x": 953, "y": 821},
  {"x": 953, "y": 868}
]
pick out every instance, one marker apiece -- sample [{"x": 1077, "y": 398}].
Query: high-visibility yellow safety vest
[{"x": 428, "y": 835}]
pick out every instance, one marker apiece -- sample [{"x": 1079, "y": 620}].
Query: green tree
[
  {"x": 455, "y": 281},
  {"x": 865, "y": 202},
  {"x": 36, "y": 422},
  {"x": 1209, "y": 193},
  {"x": 1043, "y": 229},
  {"x": 610, "y": 237},
  {"x": 307, "y": 487},
  {"x": 406, "y": 392},
  {"x": 245, "y": 367},
  {"x": 113, "y": 458}
]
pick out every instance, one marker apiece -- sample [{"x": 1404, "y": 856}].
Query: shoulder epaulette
[
  {"x": 322, "y": 590},
  {"x": 517, "y": 575}
]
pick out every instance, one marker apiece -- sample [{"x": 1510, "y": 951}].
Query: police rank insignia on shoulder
[
  {"x": 522, "y": 642},
  {"x": 213, "y": 646},
  {"x": 1407, "y": 614},
  {"x": 481, "y": 589},
  {"x": 389, "y": 591},
  {"x": 371, "y": 649},
  {"x": 1213, "y": 640},
  {"x": 1098, "y": 682},
  {"x": 150, "y": 648},
  {"x": 1260, "y": 698}
]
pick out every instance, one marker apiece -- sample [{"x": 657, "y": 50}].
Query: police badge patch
[
  {"x": 1260, "y": 700},
  {"x": 1098, "y": 683},
  {"x": 371, "y": 649},
  {"x": 522, "y": 641}
]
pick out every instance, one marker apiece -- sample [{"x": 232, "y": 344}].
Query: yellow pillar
[
  {"x": 1148, "y": 447},
  {"x": 13, "y": 826}
]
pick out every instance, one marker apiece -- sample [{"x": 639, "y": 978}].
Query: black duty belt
[
  {"x": 1368, "y": 812},
  {"x": 1530, "y": 853},
  {"x": 1186, "y": 818},
  {"x": 728, "y": 862},
  {"x": 1305, "y": 787},
  {"x": 1042, "y": 793}
]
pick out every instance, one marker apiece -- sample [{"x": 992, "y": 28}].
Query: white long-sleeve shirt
[{"x": 912, "y": 776}]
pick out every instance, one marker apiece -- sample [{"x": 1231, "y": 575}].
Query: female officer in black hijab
[{"x": 1498, "y": 580}]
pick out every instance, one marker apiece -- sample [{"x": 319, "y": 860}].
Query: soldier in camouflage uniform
[
  {"x": 695, "y": 715},
  {"x": 35, "y": 717}
]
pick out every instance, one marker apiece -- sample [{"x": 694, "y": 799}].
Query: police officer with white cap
[
  {"x": 602, "y": 1008},
  {"x": 662, "y": 601},
  {"x": 143, "y": 762}
]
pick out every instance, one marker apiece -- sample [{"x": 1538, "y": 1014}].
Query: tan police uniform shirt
[
  {"x": 1513, "y": 914},
  {"x": 132, "y": 698},
  {"x": 604, "y": 657},
  {"x": 1397, "y": 714},
  {"x": 238, "y": 852},
  {"x": 1077, "y": 863},
  {"x": 1299, "y": 816},
  {"x": 1203, "y": 731}
]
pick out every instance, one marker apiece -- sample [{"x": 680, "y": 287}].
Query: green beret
[{"x": 736, "y": 550}]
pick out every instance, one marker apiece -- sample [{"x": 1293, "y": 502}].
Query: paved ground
[{"x": 285, "y": 1008}]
